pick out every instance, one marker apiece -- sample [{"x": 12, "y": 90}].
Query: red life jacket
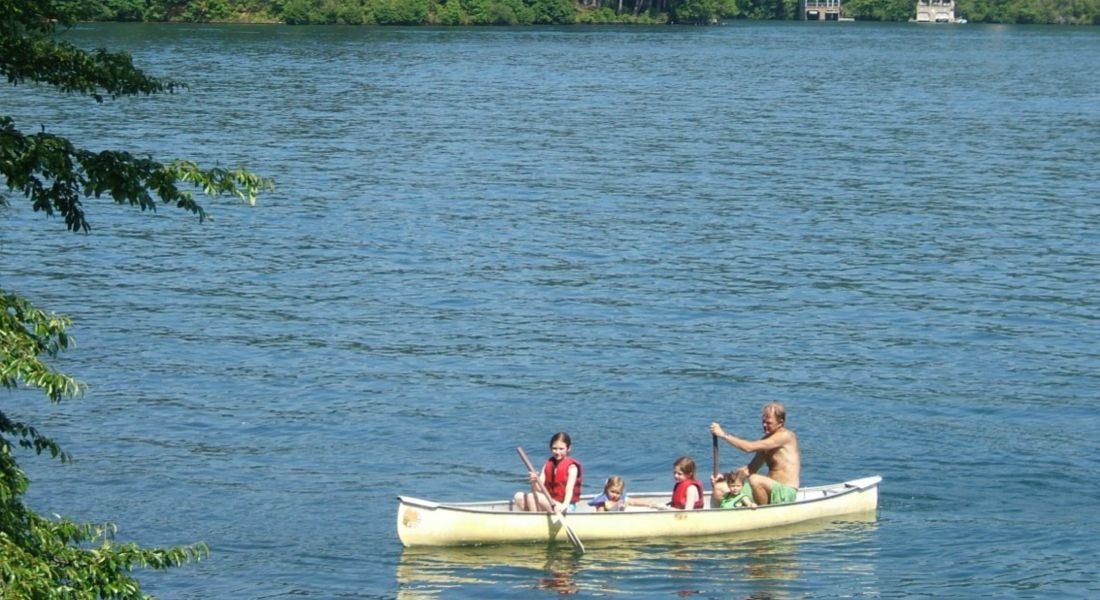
[
  {"x": 556, "y": 479},
  {"x": 680, "y": 493}
]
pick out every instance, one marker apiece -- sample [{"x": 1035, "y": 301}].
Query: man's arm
[{"x": 773, "y": 441}]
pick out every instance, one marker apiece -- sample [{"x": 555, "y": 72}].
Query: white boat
[{"x": 427, "y": 523}]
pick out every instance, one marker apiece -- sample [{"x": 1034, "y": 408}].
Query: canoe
[{"x": 427, "y": 523}]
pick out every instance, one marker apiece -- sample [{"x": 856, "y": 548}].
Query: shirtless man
[{"x": 778, "y": 449}]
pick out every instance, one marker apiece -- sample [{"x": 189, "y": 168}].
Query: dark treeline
[{"x": 557, "y": 12}]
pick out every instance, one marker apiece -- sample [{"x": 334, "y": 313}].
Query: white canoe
[{"x": 426, "y": 523}]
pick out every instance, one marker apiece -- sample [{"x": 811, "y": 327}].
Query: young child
[
  {"x": 562, "y": 477},
  {"x": 687, "y": 494},
  {"x": 731, "y": 492},
  {"x": 614, "y": 498}
]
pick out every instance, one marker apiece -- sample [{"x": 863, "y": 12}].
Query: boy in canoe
[
  {"x": 730, "y": 490},
  {"x": 778, "y": 449}
]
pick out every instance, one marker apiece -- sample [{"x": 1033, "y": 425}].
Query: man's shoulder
[
  {"x": 782, "y": 431},
  {"x": 787, "y": 434}
]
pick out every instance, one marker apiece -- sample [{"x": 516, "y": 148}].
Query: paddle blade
[{"x": 577, "y": 545}]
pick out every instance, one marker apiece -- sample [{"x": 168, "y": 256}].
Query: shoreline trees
[{"x": 555, "y": 12}]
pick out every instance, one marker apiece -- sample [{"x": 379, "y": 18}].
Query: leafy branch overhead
[
  {"x": 58, "y": 558},
  {"x": 55, "y": 175}
]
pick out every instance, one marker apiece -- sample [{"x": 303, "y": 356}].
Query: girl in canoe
[
  {"x": 562, "y": 477},
  {"x": 687, "y": 494},
  {"x": 614, "y": 498}
]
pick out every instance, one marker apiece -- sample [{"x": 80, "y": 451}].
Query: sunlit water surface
[{"x": 482, "y": 236}]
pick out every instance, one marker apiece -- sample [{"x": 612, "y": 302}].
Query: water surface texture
[{"x": 484, "y": 236}]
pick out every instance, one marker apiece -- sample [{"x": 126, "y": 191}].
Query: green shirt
[{"x": 731, "y": 500}]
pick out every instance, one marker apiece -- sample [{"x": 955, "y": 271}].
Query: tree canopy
[
  {"x": 42, "y": 558},
  {"x": 529, "y": 12}
]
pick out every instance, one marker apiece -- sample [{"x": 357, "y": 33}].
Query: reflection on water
[
  {"x": 762, "y": 565},
  {"x": 561, "y": 569},
  {"x": 769, "y": 562}
]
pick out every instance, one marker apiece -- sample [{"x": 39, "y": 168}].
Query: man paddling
[{"x": 778, "y": 449}]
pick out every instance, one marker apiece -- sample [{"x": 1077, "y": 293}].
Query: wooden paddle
[
  {"x": 558, "y": 517},
  {"x": 712, "y": 483},
  {"x": 715, "y": 454}
]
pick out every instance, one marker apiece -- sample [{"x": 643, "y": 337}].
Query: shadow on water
[{"x": 761, "y": 565}]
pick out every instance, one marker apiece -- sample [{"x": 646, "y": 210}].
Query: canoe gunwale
[{"x": 847, "y": 487}]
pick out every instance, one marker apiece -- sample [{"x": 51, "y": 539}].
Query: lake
[{"x": 483, "y": 236}]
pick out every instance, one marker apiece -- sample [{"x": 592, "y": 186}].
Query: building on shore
[
  {"x": 936, "y": 11},
  {"x": 819, "y": 10}
]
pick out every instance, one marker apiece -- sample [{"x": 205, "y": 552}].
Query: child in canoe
[
  {"x": 614, "y": 498},
  {"x": 730, "y": 490},
  {"x": 562, "y": 477},
  {"x": 687, "y": 494}
]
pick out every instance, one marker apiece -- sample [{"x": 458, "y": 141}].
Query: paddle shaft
[
  {"x": 715, "y": 438},
  {"x": 560, "y": 518}
]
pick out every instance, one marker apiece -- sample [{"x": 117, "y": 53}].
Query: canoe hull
[{"x": 425, "y": 523}]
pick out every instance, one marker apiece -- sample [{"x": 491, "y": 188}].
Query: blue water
[{"x": 483, "y": 236}]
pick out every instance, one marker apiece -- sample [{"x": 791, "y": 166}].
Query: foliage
[
  {"x": 298, "y": 12},
  {"x": 106, "y": 10},
  {"x": 527, "y": 12},
  {"x": 452, "y": 13},
  {"x": 701, "y": 11},
  {"x": 764, "y": 9},
  {"x": 606, "y": 15},
  {"x": 59, "y": 558},
  {"x": 1071, "y": 12},
  {"x": 400, "y": 12},
  {"x": 554, "y": 12},
  {"x": 205, "y": 11},
  {"x": 880, "y": 10}
]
